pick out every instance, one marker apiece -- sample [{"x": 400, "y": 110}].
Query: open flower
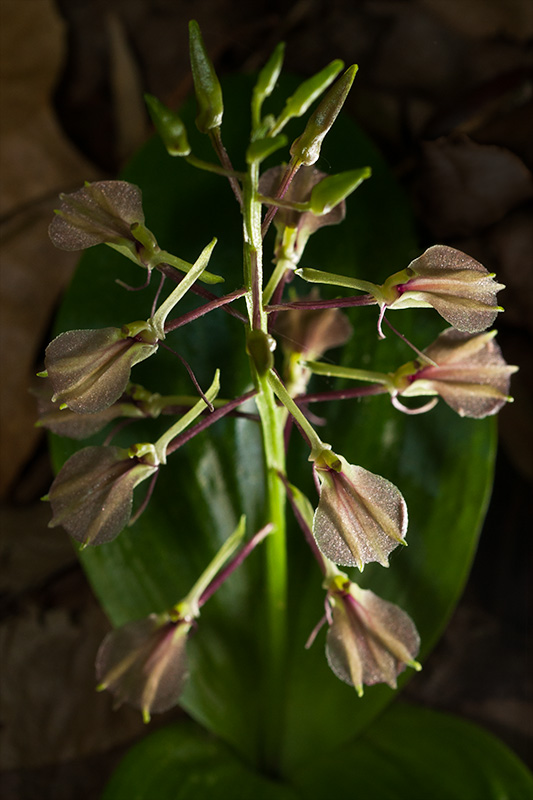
[
  {"x": 304, "y": 223},
  {"x": 92, "y": 495},
  {"x": 456, "y": 285},
  {"x": 144, "y": 663},
  {"x": 361, "y": 517},
  {"x": 64, "y": 422},
  {"x": 467, "y": 371},
  {"x": 90, "y": 369},
  {"x": 100, "y": 212},
  {"x": 369, "y": 639}
]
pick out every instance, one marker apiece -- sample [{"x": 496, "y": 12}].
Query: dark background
[{"x": 445, "y": 90}]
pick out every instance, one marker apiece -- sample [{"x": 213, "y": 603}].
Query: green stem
[
  {"x": 279, "y": 271},
  {"x": 272, "y": 418}
]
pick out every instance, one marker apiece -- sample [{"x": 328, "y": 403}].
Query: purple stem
[
  {"x": 290, "y": 172},
  {"x": 307, "y": 532},
  {"x": 184, "y": 437},
  {"x": 340, "y": 394},
  {"x": 235, "y": 562},
  {"x": 223, "y": 157},
  {"x": 339, "y": 302},
  {"x": 176, "y": 277},
  {"x": 196, "y": 313}
]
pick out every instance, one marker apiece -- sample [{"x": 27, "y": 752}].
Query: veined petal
[{"x": 361, "y": 517}]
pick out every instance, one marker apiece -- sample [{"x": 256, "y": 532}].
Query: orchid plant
[{"x": 240, "y": 402}]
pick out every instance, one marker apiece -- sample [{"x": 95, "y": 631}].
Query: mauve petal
[
  {"x": 90, "y": 369},
  {"x": 92, "y": 494},
  {"x": 144, "y": 663},
  {"x": 99, "y": 212},
  {"x": 361, "y": 517}
]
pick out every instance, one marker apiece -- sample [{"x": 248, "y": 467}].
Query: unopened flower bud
[
  {"x": 169, "y": 126},
  {"x": 90, "y": 369},
  {"x": 206, "y": 84},
  {"x": 361, "y": 517},
  {"x": 306, "y": 148},
  {"x": 92, "y": 494}
]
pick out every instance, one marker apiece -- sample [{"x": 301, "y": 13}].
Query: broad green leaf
[
  {"x": 442, "y": 464},
  {"x": 416, "y": 754},
  {"x": 183, "y": 762},
  {"x": 409, "y": 752}
]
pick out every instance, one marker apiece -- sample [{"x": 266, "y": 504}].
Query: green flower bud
[
  {"x": 206, "y": 83},
  {"x": 306, "y": 94},
  {"x": 260, "y": 347},
  {"x": 333, "y": 189},
  {"x": 306, "y": 148},
  {"x": 169, "y": 126}
]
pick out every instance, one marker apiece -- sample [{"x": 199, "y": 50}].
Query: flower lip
[
  {"x": 369, "y": 640},
  {"x": 361, "y": 517}
]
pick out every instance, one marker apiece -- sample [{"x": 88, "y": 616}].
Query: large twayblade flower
[
  {"x": 369, "y": 639},
  {"x": 361, "y": 517},
  {"x": 467, "y": 371},
  {"x": 144, "y": 663},
  {"x": 100, "y": 212},
  {"x": 90, "y": 369},
  {"x": 92, "y": 494},
  {"x": 456, "y": 285}
]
